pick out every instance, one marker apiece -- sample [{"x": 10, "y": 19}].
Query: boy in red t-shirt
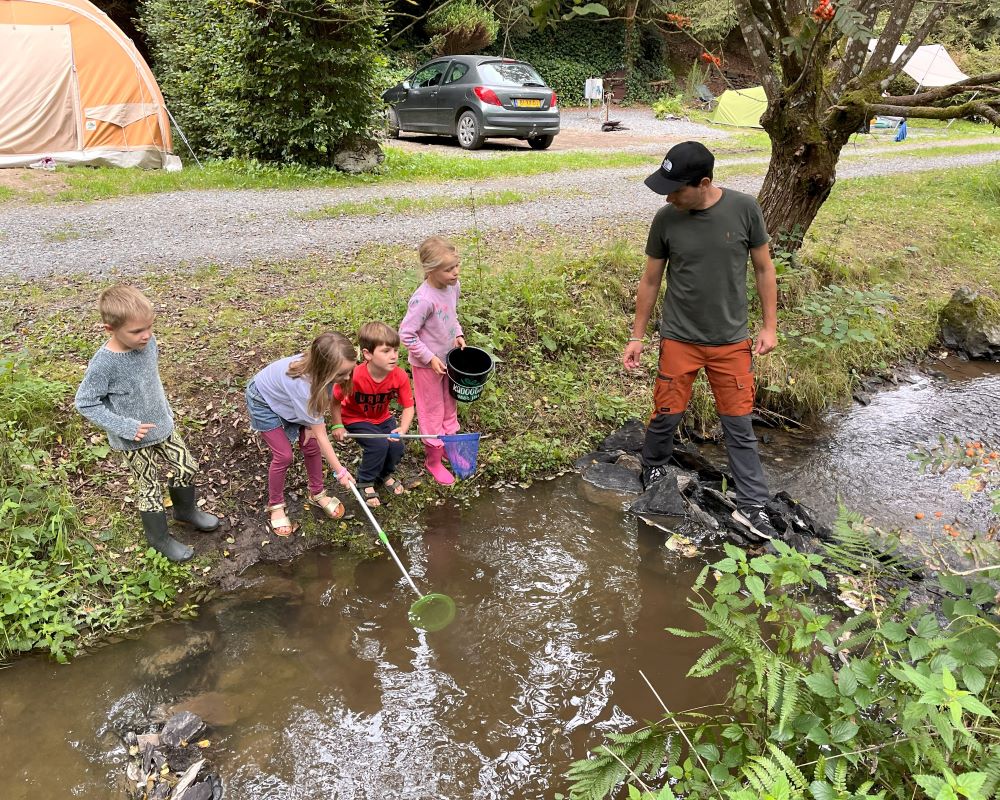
[{"x": 375, "y": 384}]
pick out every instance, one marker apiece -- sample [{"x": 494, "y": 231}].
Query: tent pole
[{"x": 185, "y": 138}]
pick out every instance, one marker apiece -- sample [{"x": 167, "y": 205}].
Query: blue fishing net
[{"x": 462, "y": 450}]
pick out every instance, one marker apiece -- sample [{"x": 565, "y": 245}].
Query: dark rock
[
  {"x": 663, "y": 498},
  {"x": 970, "y": 324},
  {"x": 160, "y": 792},
  {"x": 629, "y": 437},
  {"x": 596, "y": 457},
  {"x": 613, "y": 477},
  {"x": 181, "y": 727},
  {"x": 862, "y": 397},
  {"x": 358, "y": 154},
  {"x": 630, "y": 462},
  {"x": 690, "y": 457},
  {"x": 197, "y": 791}
]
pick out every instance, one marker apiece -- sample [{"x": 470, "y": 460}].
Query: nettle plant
[{"x": 890, "y": 702}]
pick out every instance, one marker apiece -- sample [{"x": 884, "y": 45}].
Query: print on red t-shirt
[{"x": 369, "y": 400}]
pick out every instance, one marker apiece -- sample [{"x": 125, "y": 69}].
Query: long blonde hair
[{"x": 320, "y": 365}]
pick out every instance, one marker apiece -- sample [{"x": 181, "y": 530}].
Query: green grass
[
  {"x": 94, "y": 183},
  {"x": 420, "y": 205}
]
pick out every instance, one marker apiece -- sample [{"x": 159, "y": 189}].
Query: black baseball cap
[{"x": 684, "y": 164}]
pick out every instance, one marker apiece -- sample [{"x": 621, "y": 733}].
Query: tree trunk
[{"x": 798, "y": 181}]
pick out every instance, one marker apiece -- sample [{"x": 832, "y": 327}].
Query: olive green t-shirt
[{"x": 706, "y": 253}]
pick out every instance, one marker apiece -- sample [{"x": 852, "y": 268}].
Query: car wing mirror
[{"x": 406, "y": 86}]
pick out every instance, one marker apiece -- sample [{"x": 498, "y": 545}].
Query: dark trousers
[
  {"x": 379, "y": 457},
  {"x": 741, "y": 447}
]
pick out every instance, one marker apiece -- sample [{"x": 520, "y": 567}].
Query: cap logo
[{"x": 667, "y": 165}]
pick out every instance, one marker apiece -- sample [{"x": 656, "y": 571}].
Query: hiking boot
[
  {"x": 756, "y": 521},
  {"x": 651, "y": 475}
]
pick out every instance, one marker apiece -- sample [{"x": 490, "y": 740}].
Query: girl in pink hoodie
[{"x": 429, "y": 330}]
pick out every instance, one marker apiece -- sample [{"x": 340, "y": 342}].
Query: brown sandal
[
  {"x": 330, "y": 506},
  {"x": 371, "y": 497},
  {"x": 394, "y": 486},
  {"x": 276, "y": 523}
]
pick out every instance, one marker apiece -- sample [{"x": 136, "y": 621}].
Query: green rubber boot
[
  {"x": 154, "y": 523},
  {"x": 186, "y": 509}
]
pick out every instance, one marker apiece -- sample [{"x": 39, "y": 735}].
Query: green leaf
[
  {"x": 973, "y": 679},
  {"x": 763, "y": 564},
  {"x": 756, "y": 588},
  {"x": 728, "y": 584},
  {"x": 954, "y": 584},
  {"x": 894, "y": 631},
  {"x": 821, "y": 790},
  {"x": 725, "y": 565},
  {"x": 843, "y": 731},
  {"x": 821, "y": 684},
  {"x": 847, "y": 683}
]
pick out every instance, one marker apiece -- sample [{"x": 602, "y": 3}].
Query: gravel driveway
[{"x": 133, "y": 234}]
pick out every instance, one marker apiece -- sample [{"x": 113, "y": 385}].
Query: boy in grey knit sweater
[{"x": 121, "y": 392}]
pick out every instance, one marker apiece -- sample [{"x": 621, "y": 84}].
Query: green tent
[{"x": 740, "y": 107}]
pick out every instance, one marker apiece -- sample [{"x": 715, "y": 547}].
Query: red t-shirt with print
[{"x": 369, "y": 400}]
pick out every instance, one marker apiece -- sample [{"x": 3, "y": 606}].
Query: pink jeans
[
  {"x": 281, "y": 460},
  {"x": 437, "y": 410}
]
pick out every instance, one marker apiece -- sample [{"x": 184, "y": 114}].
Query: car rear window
[{"x": 509, "y": 73}]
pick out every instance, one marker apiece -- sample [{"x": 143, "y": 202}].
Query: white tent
[{"x": 930, "y": 65}]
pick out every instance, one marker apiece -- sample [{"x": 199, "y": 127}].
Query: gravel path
[{"x": 133, "y": 234}]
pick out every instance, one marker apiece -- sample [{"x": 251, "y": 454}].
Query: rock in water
[
  {"x": 181, "y": 727},
  {"x": 970, "y": 324},
  {"x": 613, "y": 478},
  {"x": 595, "y": 457},
  {"x": 662, "y": 498}
]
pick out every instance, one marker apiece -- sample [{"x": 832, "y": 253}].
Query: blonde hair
[
  {"x": 435, "y": 252},
  {"x": 375, "y": 334},
  {"x": 320, "y": 365},
  {"x": 120, "y": 303}
]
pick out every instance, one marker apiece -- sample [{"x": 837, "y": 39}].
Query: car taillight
[
  {"x": 487, "y": 95},
  {"x": 555, "y": 101}
]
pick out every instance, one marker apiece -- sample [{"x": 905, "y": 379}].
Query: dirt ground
[{"x": 568, "y": 139}]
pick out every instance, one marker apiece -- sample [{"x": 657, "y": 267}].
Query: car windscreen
[{"x": 509, "y": 73}]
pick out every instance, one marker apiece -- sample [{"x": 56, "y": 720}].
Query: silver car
[{"x": 475, "y": 98}]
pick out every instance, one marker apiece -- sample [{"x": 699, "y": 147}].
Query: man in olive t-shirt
[{"x": 702, "y": 239}]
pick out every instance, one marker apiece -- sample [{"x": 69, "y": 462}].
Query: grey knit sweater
[{"x": 121, "y": 390}]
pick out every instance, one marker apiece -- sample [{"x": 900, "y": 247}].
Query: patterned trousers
[{"x": 142, "y": 464}]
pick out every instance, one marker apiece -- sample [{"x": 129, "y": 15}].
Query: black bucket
[{"x": 468, "y": 371}]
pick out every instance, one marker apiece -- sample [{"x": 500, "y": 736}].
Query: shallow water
[
  {"x": 316, "y": 686},
  {"x": 325, "y": 690}
]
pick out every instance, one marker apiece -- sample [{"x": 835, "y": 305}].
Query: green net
[{"x": 432, "y": 612}]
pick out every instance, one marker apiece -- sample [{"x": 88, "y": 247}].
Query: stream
[{"x": 314, "y": 684}]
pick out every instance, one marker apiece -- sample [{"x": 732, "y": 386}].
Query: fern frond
[
  {"x": 622, "y": 755},
  {"x": 992, "y": 770},
  {"x": 789, "y": 700},
  {"x": 798, "y": 780}
]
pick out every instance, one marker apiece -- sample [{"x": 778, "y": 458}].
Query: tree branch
[
  {"x": 990, "y": 110},
  {"x": 755, "y": 44},
  {"x": 979, "y": 83},
  {"x": 856, "y": 50},
  {"x": 898, "y": 17},
  {"x": 918, "y": 39}
]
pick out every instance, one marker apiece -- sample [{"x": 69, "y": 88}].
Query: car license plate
[{"x": 525, "y": 102}]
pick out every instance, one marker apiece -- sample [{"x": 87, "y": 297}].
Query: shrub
[
  {"x": 461, "y": 27},
  {"x": 279, "y": 80}
]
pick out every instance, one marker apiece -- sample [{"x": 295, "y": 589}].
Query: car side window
[
  {"x": 458, "y": 71},
  {"x": 428, "y": 76}
]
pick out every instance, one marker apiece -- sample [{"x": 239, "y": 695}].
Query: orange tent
[{"x": 73, "y": 87}]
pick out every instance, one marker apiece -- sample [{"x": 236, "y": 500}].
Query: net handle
[
  {"x": 383, "y": 537},
  {"x": 404, "y": 435}
]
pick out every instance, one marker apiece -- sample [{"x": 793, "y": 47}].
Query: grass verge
[
  {"x": 420, "y": 205},
  {"x": 555, "y": 307}
]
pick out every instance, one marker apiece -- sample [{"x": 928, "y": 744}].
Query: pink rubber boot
[{"x": 434, "y": 466}]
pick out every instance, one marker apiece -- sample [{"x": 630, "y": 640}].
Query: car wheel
[
  {"x": 392, "y": 123},
  {"x": 540, "y": 142},
  {"x": 469, "y": 132}
]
